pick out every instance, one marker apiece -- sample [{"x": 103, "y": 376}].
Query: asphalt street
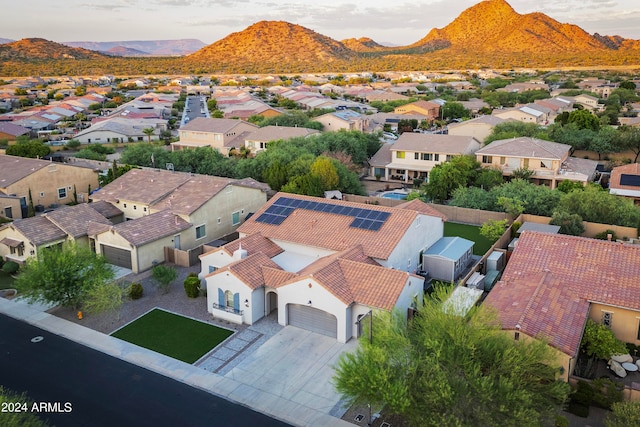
[{"x": 78, "y": 386}]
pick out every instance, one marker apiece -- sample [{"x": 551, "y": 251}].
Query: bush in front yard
[
  {"x": 192, "y": 286},
  {"x": 135, "y": 291},
  {"x": 10, "y": 267},
  {"x": 164, "y": 275}
]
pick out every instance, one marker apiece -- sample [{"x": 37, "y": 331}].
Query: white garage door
[
  {"x": 116, "y": 256},
  {"x": 312, "y": 319}
]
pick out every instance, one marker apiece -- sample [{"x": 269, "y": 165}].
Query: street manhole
[{"x": 37, "y": 339}]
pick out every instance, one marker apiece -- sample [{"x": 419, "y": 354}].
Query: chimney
[{"x": 609, "y": 237}]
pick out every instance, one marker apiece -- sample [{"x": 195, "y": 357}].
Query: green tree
[
  {"x": 454, "y": 110},
  {"x": 493, "y": 229},
  {"x": 488, "y": 178},
  {"x": 511, "y": 205},
  {"x": 23, "y": 418},
  {"x": 63, "y": 275},
  {"x": 623, "y": 414},
  {"x": 212, "y": 104},
  {"x": 164, "y": 276},
  {"x": 628, "y": 138},
  {"x": 275, "y": 175},
  {"x": 324, "y": 170},
  {"x": 594, "y": 204},
  {"x": 584, "y": 120},
  {"x": 148, "y": 132},
  {"x": 443, "y": 369},
  {"x": 599, "y": 341},
  {"x": 104, "y": 297},
  {"x": 569, "y": 223},
  {"x": 32, "y": 149}
]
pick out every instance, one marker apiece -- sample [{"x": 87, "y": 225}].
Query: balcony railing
[{"x": 227, "y": 309}]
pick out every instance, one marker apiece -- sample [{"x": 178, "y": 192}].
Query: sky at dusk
[{"x": 385, "y": 22}]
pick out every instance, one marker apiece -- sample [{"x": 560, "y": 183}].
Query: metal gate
[{"x": 312, "y": 319}]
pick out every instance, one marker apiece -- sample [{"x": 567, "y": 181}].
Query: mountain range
[{"x": 488, "y": 34}]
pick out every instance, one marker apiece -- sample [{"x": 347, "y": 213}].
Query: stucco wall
[
  {"x": 44, "y": 184},
  {"x": 423, "y": 232},
  {"x": 625, "y": 324}
]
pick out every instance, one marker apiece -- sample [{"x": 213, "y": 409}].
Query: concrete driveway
[{"x": 296, "y": 366}]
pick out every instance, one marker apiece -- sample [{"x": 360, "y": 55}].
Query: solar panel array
[
  {"x": 631, "y": 180},
  {"x": 365, "y": 219}
]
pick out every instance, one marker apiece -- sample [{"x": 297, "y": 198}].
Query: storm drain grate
[{"x": 358, "y": 418}]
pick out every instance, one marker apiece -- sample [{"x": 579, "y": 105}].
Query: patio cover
[{"x": 12, "y": 243}]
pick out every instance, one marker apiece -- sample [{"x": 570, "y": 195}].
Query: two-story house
[
  {"x": 42, "y": 183},
  {"x": 549, "y": 161},
  {"x": 625, "y": 181},
  {"x": 178, "y": 210},
  {"x": 220, "y": 134},
  {"x": 430, "y": 110},
  {"x": 257, "y": 141},
  {"x": 413, "y": 155},
  {"x": 343, "y": 120}
]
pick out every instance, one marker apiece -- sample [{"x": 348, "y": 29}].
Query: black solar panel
[
  {"x": 631, "y": 180},
  {"x": 365, "y": 219}
]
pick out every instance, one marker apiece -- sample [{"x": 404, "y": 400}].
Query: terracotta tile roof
[
  {"x": 253, "y": 244},
  {"x": 150, "y": 228},
  {"x": 526, "y": 147},
  {"x": 204, "y": 124},
  {"x": 332, "y": 231},
  {"x": 551, "y": 279},
  {"x": 421, "y": 207},
  {"x": 273, "y": 277},
  {"x": 250, "y": 269},
  {"x": 39, "y": 230},
  {"x": 74, "y": 220}
]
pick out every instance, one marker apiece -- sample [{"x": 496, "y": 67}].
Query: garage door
[
  {"x": 313, "y": 320},
  {"x": 116, "y": 256}
]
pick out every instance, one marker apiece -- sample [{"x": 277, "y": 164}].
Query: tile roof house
[
  {"x": 195, "y": 209},
  {"x": 430, "y": 110},
  {"x": 121, "y": 129},
  {"x": 257, "y": 140},
  {"x": 413, "y": 155},
  {"x": 23, "y": 238},
  {"x": 625, "y": 181},
  {"x": 343, "y": 119},
  {"x": 11, "y": 131},
  {"x": 220, "y": 134},
  {"x": 549, "y": 161},
  {"x": 553, "y": 283},
  {"x": 479, "y": 128},
  {"x": 321, "y": 263},
  {"x": 50, "y": 184}
]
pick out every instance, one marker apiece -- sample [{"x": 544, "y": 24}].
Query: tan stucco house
[{"x": 220, "y": 134}]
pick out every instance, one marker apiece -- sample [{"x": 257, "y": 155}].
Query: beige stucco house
[
  {"x": 220, "y": 134},
  {"x": 479, "y": 128},
  {"x": 257, "y": 141},
  {"x": 24, "y": 238},
  {"x": 549, "y": 161},
  {"x": 322, "y": 264},
  {"x": 413, "y": 155},
  {"x": 186, "y": 210},
  {"x": 48, "y": 184},
  {"x": 343, "y": 120},
  {"x": 430, "y": 110},
  {"x": 554, "y": 283}
]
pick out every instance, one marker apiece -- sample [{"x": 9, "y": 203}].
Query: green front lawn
[
  {"x": 6, "y": 281},
  {"x": 469, "y": 232},
  {"x": 173, "y": 335}
]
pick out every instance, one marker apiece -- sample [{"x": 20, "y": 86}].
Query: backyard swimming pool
[{"x": 394, "y": 195}]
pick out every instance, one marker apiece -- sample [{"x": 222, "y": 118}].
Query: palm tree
[{"x": 148, "y": 132}]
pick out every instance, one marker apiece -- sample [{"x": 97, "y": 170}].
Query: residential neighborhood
[{"x": 310, "y": 207}]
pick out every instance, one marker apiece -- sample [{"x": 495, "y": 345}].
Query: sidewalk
[{"x": 287, "y": 408}]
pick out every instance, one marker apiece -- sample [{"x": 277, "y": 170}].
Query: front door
[{"x": 176, "y": 241}]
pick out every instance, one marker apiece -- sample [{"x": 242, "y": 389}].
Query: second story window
[
  {"x": 487, "y": 159},
  {"x": 399, "y": 154}
]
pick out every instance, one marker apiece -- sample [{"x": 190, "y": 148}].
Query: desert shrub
[
  {"x": 624, "y": 414},
  {"x": 606, "y": 392},
  {"x": 604, "y": 235},
  {"x": 135, "y": 291},
  {"x": 10, "y": 267},
  {"x": 580, "y": 400},
  {"x": 163, "y": 276},
  {"x": 192, "y": 286},
  {"x": 562, "y": 421}
]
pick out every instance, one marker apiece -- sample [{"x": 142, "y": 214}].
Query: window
[
  {"x": 219, "y": 220},
  {"x": 546, "y": 164},
  {"x": 503, "y": 160},
  {"x": 42, "y": 194},
  {"x": 235, "y": 218},
  {"x": 144, "y": 209},
  {"x": 607, "y": 318},
  {"x": 228, "y": 299},
  {"x": 212, "y": 269},
  {"x": 417, "y": 156},
  {"x": 525, "y": 163},
  {"x": 7, "y": 212},
  {"x": 436, "y": 157},
  {"x": 125, "y": 205},
  {"x": 135, "y": 207},
  {"x": 201, "y": 232},
  {"x": 449, "y": 157},
  {"x": 399, "y": 154},
  {"x": 487, "y": 159},
  {"x": 62, "y": 193}
]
